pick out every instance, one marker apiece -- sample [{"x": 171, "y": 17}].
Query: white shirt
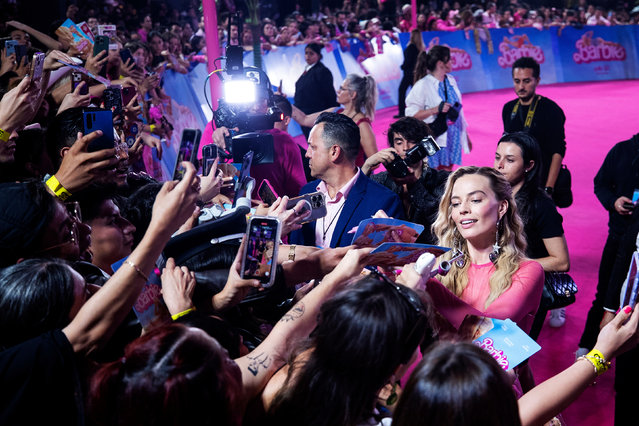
[
  {"x": 425, "y": 95},
  {"x": 325, "y": 226}
]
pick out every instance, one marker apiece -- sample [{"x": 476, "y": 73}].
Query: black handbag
[
  {"x": 559, "y": 290},
  {"x": 562, "y": 193}
]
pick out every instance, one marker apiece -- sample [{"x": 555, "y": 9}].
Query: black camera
[{"x": 427, "y": 147}]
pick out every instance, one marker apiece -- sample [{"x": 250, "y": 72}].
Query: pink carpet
[{"x": 598, "y": 115}]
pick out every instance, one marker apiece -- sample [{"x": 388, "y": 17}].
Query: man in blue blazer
[{"x": 350, "y": 195}]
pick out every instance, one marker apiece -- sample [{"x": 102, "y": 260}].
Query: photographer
[{"x": 421, "y": 190}]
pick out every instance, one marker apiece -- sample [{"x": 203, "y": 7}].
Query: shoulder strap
[{"x": 529, "y": 115}]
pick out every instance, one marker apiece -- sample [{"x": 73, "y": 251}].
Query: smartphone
[
  {"x": 266, "y": 192},
  {"x": 188, "y": 151},
  {"x": 101, "y": 43},
  {"x": 128, "y": 93},
  {"x": 245, "y": 173},
  {"x": 113, "y": 99},
  {"x": 10, "y": 47},
  {"x": 131, "y": 133},
  {"x": 76, "y": 79},
  {"x": 316, "y": 202},
  {"x": 99, "y": 120},
  {"x": 259, "y": 258},
  {"x": 37, "y": 65},
  {"x": 209, "y": 154},
  {"x": 125, "y": 54},
  {"x": 21, "y": 52}
]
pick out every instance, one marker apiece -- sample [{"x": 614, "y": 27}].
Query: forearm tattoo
[
  {"x": 258, "y": 361},
  {"x": 296, "y": 312}
]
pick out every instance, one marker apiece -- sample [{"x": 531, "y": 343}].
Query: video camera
[
  {"x": 243, "y": 88},
  {"x": 427, "y": 147}
]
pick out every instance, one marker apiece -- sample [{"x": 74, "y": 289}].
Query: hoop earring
[
  {"x": 456, "y": 252},
  {"x": 494, "y": 255}
]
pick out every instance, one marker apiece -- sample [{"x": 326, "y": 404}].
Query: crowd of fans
[{"x": 88, "y": 239}]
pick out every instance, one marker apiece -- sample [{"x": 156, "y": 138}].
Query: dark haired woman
[
  {"x": 314, "y": 89},
  {"x": 459, "y": 384},
  {"x": 56, "y": 326},
  {"x": 364, "y": 334},
  {"x": 518, "y": 158},
  {"x": 435, "y": 92}
]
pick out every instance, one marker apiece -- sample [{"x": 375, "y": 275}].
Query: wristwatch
[{"x": 549, "y": 190}]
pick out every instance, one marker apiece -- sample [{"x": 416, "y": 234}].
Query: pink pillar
[
  {"x": 413, "y": 11},
  {"x": 212, "y": 47}
]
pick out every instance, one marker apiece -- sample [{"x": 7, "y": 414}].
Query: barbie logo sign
[
  {"x": 517, "y": 47},
  {"x": 460, "y": 59},
  {"x": 499, "y": 355},
  {"x": 598, "y": 49}
]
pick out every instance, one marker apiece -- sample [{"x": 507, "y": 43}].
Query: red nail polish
[{"x": 627, "y": 309}]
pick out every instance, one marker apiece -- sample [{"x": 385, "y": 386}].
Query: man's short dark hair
[
  {"x": 527, "y": 62},
  {"x": 340, "y": 130},
  {"x": 63, "y": 132},
  {"x": 412, "y": 129},
  {"x": 283, "y": 104}
]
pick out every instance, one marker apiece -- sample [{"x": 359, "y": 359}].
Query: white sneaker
[
  {"x": 581, "y": 352},
  {"x": 557, "y": 317}
]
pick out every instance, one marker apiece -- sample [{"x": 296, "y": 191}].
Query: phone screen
[
  {"x": 260, "y": 254},
  {"x": 188, "y": 149},
  {"x": 245, "y": 172},
  {"x": 209, "y": 154}
]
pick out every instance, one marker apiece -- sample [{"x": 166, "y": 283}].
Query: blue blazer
[{"x": 364, "y": 199}]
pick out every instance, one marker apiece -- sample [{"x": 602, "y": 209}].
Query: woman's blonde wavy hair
[{"x": 511, "y": 235}]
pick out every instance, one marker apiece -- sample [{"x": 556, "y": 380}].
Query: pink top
[{"x": 519, "y": 302}]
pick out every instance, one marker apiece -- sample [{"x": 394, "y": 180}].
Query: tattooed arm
[{"x": 258, "y": 366}]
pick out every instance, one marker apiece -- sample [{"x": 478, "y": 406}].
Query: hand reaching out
[
  {"x": 178, "y": 284},
  {"x": 236, "y": 287},
  {"x": 95, "y": 63},
  {"x": 75, "y": 99},
  {"x": 80, "y": 167}
]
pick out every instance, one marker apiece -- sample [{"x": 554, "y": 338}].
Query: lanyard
[{"x": 529, "y": 116}]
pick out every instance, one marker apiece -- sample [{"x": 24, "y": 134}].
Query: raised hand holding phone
[{"x": 259, "y": 257}]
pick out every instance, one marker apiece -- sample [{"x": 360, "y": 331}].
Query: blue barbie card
[{"x": 375, "y": 231}]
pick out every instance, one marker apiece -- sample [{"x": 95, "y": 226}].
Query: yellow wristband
[
  {"x": 597, "y": 359},
  {"x": 4, "y": 136},
  {"x": 60, "y": 191},
  {"x": 181, "y": 314},
  {"x": 152, "y": 127}
]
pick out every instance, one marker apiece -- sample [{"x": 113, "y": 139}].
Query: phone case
[
  {"x": 266, "y": 192},
  {"x": 99, "y": 120},
  {"x": 317, "y": 202},
  {"x": 101, "y": 43}
]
